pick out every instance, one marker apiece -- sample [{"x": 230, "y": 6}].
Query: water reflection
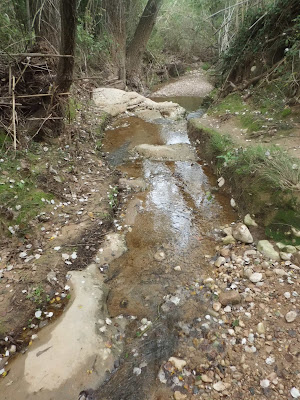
[
  {"x": 166, "y": 203},
  {"x": 174, "y": 133}
]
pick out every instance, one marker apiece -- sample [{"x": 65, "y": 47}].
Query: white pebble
[
  {"x": 265, "y": 383},
  {"x": 295, "y": 393}
]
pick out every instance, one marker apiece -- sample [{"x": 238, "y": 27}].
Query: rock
[
  {"x": 221, "y": 182},
  {"x": 220, "y": 261},
  {"x": 228, "y": 230},
  {"x": 172, "y": 152},
  {"x": 296, "y": 258},
  {"x": 230, "y": 297},
  {"x": 206, "y": 379},
  {"x": 138, "y": 184},
  {"x": 116, "y": 101},
  {"x": 291, "y": 316},
  {"x": 249, "y": 221},
  {"x": 159, "y": 256},
  {"x": 233, "y": 203},
  {"x": 295, "y": 393},
  {"x": 219, "y": 386},
  {"x": 280, "y": 272},
  {"x": 296, "y": 232},
  {"x": 261, "y": 328},
  {"x": 267, "y": 249},
  {"x": 13, "y": 349},
  {"x": 290, "y": 249},
  {"x": 280, "y": 245},
  {"x": 265, "y": 383},
  {"x": 217, "y": 306},
  {"x": 225, "y": 252},
  {"x": 241, "y": 232},
  {"x": 256, "y": 277},
  {"x": 178, "y": 363},
  {"x": 148, "y": 115},
  {"x": 179, "y": 396},
  {"x": 177, "y": 268},
  {"x": 285, "y": 256},
  {"x": 248, "y": 272},
  {"x": 113, "y": 247},
  {"x": 162, "y": 376},
  {"x": 227, "y": 309},
  {"x": 229, "y": 239}
]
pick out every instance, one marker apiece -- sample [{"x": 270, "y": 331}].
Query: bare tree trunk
[
  {"x": 139, "y": 42},
  {"x": 65, "y": 69},
  {"x": 45, "y": 17},
  {"x": 28, "y": 17},
  {"x": 116, "y": 23}
]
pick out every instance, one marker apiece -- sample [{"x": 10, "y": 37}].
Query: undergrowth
[
  {"x": 265, "y": 179},
  {"x": 266, "y": 46},
  {"x": 264, "y": 111},
  {"x": 20, "y": 198}
]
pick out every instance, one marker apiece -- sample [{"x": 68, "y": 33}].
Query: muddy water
[{"x": 172, "y": 225}]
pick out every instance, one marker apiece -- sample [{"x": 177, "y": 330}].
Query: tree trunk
[
  {"x": 139, "y": 42},
  {"x": 45, "y": 17},
  {"x": 116, "y": 23},
  {"x": 65, "y": 69}
]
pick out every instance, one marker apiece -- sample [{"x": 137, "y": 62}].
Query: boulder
[
  {"x": 241, "y": 232},
  {"x": 285, "y": 256},
  {"x": 249, "y": 221},
  {"x": 229, "y": 239},
  {"x": 116, "y": 101},
  {"x": 138, "y": 184},
  {"x": 267, "y": 249},
  {"x": 174, "y": 152}
]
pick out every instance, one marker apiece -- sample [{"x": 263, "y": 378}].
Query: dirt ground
[
  {"x": 64, "y": 236},
  {"x": 192, "y": 84},
  {"x": 230, "y": 125}
]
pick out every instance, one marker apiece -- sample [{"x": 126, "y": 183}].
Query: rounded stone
[
  {"x": 256, "y": 277},
  {"x": 261, "y": 328},
  {"x": 291, "y": 316}
]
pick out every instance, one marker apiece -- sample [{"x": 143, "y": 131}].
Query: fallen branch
[
  {"x": 259, "y": 77},
  {"x": 45, "y": 118},
  {"x": 14, "y": 113},
  {"x": 35, "y": 95},
  {"x": 42, "y": 124}
]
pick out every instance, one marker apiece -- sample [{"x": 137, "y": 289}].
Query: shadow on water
[{"x": 124, "y": 383}]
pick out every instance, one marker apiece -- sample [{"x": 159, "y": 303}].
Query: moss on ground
[
  {"x": 280, "y": 228},
  {"x": 20, "y": 198},
  {"x": 267, "y": 109}
]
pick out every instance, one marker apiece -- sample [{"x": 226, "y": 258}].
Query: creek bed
[{"x": 173, "y": 228}]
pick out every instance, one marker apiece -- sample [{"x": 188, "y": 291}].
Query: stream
[
  {"x": 173, "y": 228},
  {"x": 169, "y": 219}
]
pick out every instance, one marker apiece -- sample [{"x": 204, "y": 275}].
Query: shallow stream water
[
  {"x": 170, "y": 230},
  {"x": 176, "y": 218}
]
